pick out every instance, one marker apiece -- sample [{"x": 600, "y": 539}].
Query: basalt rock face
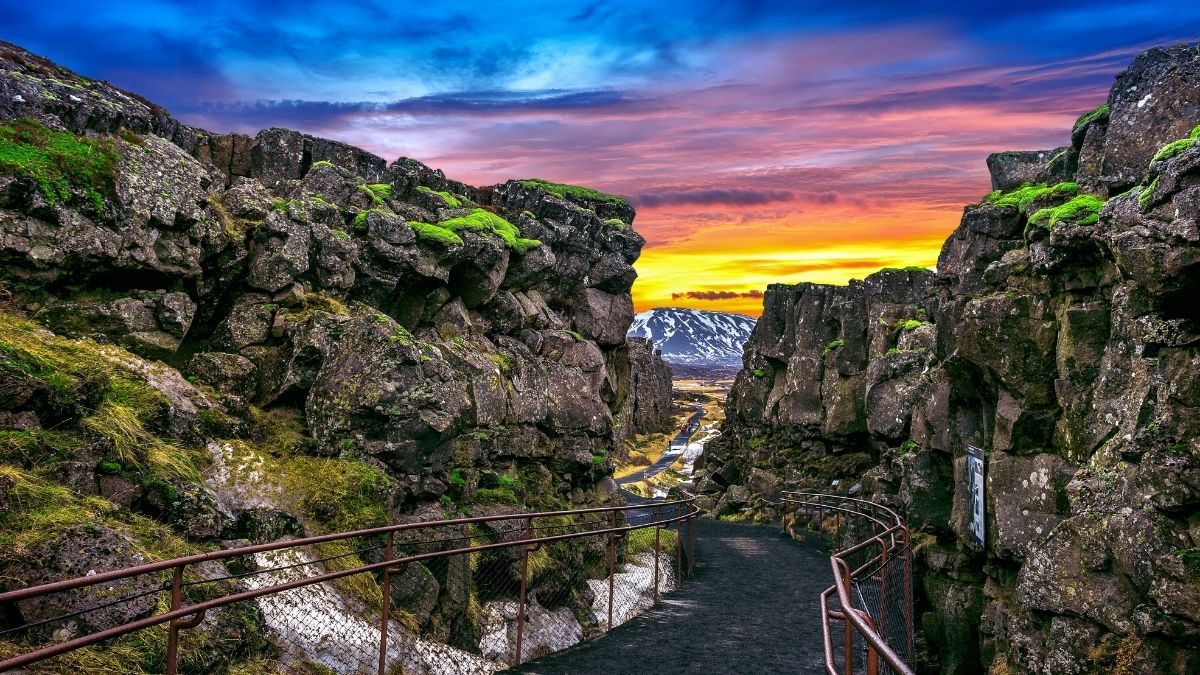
[
  {"x": 1068, "y": 349},
  {"x": 649, "y": 407},
  {"x": 439, "y": 334}
]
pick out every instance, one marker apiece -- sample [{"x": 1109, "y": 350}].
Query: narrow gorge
[{"x": 1060, "y": 335}]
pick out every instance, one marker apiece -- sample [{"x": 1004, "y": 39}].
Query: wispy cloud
[{"x": 761, "y": 142}]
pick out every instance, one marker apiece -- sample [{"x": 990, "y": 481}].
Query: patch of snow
[
  {"x": 318, "y": 624},
  {"x": 633, "y": 588}
]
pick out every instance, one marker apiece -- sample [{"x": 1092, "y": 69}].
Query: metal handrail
[
  {"x": 176, "y": 615},
  {"x": 891, "y": 535}
]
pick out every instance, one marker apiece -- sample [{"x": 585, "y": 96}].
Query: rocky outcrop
[
  {"x": 649, "y": 406},
  {"x": 258, "y": 312},
  {"x": 1058, "y": 334}
]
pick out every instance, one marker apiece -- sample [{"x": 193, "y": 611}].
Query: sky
[{"x": 760, "y": 142}]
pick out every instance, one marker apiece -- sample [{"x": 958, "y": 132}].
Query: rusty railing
[
  {"x": 522, "y": 584},
  {"x": 871, "y": 595}
]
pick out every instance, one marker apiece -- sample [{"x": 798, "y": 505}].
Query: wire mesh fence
[
  {"x": 868, "y": 611},
  {"x": 473, "y": 595}
]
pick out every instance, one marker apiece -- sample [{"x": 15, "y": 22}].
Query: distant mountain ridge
[{"x": 695, "y": 337}]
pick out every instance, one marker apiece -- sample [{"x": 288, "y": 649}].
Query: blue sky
[{"x": 756, "y": 127}]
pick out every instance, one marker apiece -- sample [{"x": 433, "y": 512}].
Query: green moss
[
  {"x": 1084, "y": 210},
  {"x": 833, "y": 344},
  {"x": 1024, "y": 196},
  {"x": 1145, "y": 196},
  {"x": 279, "y": 205},
  {"x": 912, "y": 324},
  {"x": 447, "y": 198},
  {"x": 321, "y": 163},
  {"x": 1174, "y": 149},
  {"x": 402, "y": 337},
  {"x": 575, "y": 334},
  {"x": 435, "y": 233},
  {"x": 617, "y": 223},
  {"x": 893, "y": 351},
  {"x": 457, "y": 478},
  {"x": 59, "y": 162},
  {"x": 754, "y": 443},
  {"x": 360, "y": 221},
  {"x": 341, "y": 235},
  {"x": 502, "y": 362},
  {"x": 377, "y": 192},
  {"x": 909, "y": 447},
  {"x": 479, "y": 220},
  {"x": 1099, "y": 114},
  {"x": 759, "y": 372},
  {"x": 598, "y": 460},
  {"x": 574, "y": 192}
]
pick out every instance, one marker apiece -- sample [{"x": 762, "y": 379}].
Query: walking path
[
  {"x": 751, "y": 607},
  {"x": 673, "y": 452}
]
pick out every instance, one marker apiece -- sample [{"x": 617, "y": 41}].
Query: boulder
[{"x": 78, "y": 551}]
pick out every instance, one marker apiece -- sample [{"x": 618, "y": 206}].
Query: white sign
[{"x": 975, "y": 462}]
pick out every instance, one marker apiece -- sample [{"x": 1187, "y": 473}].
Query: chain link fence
[
  {"x": 868, "y": 612},
  {"x": 472, "y": 595}
]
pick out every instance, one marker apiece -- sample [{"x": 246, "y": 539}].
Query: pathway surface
[
  {"x": 670, "y": 454},
  {"x": 751, "y": 607}
]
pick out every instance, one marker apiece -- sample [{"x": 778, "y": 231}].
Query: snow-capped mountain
[{"x": 695, "y": 337}]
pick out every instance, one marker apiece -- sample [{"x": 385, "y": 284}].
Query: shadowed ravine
[{"x": 751, "y": 607}]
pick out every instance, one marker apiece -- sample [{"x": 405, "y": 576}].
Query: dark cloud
[
  {"x": 716, "y": 295},
  {"x": 736, "y": 196}
]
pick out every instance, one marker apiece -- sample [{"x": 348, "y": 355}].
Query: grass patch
[
  {"x": 1084, "y": 210},
  {"x": 107, "y": 400},
  {"x": 642, "y": 541},
  {"x": 447, "y": 198},
  {"x": 479, "y": 220},
  {"x": 573, "y": 192},
  {"x": 59, "y": 162},
  {"x": 1099, "y": 114}
]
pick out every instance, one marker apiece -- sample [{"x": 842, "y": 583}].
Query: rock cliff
[
  {"x": 1060, "y": 334},
  {"x": 217, "y": 336}
]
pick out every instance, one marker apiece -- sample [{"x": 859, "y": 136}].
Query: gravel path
[{"x": 751, "y": 607}]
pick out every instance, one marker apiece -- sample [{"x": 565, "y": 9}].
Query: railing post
[
  {"x": 657, "y": 547},
  {"x": 849, "y": 631},
  {"x": 386, "y": 604},
  {"x": 691, "y": 544},
  {"x": 173, "y": 628},
  {"x": 612, "y": 566},
  {"x": 679, "y": 551},
  {"x": 524, "y": 584}
]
